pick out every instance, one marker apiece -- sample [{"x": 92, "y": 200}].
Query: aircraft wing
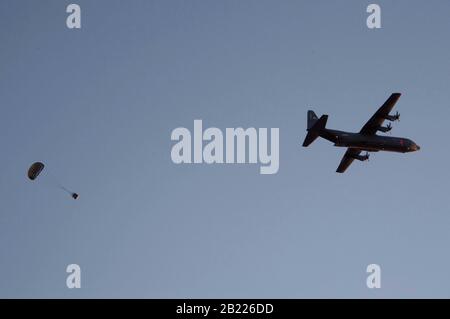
[
  {"x": 348, "y": 158},
  {"x": 378, "y": 118}
]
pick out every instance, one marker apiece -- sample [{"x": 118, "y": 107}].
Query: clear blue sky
[{"x": 97, "y": 105}]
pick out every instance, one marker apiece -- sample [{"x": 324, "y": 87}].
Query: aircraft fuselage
[{"x": 371, "y": 143}]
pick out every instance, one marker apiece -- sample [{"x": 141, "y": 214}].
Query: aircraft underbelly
[{"x": 371, "y": 145}]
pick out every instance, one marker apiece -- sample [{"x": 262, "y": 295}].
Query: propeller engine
[
  {"x": 362, "y": 158},
  {"x": 385, "y": 129},
  {"x": 366, "y": 156},
  {"x": 395, "y": 117}
]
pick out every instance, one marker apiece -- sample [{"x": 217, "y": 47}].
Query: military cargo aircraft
[{"x": 366, "y": 140}]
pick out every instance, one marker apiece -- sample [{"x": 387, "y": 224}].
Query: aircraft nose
[{"x": 413, "y": 147}]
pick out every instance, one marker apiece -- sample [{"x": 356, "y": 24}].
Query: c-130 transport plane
[{"x": 366, "y": 140}]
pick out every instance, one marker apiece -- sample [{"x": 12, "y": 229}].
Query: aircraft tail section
[
  {"x": 312, "y": 119},
  {"x": 315, "y": 127}
]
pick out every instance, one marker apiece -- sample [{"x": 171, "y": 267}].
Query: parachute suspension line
[
  {"x": 65, "y": 189},
  {"x": 61, "y": 186}
]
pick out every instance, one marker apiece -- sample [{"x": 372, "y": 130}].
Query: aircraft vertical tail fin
[
  {"x": 312, "y": 119},
  {"x": 315, "y": 126}
]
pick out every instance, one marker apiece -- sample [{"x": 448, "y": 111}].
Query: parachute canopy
[{"x": 34, "y": 170}]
